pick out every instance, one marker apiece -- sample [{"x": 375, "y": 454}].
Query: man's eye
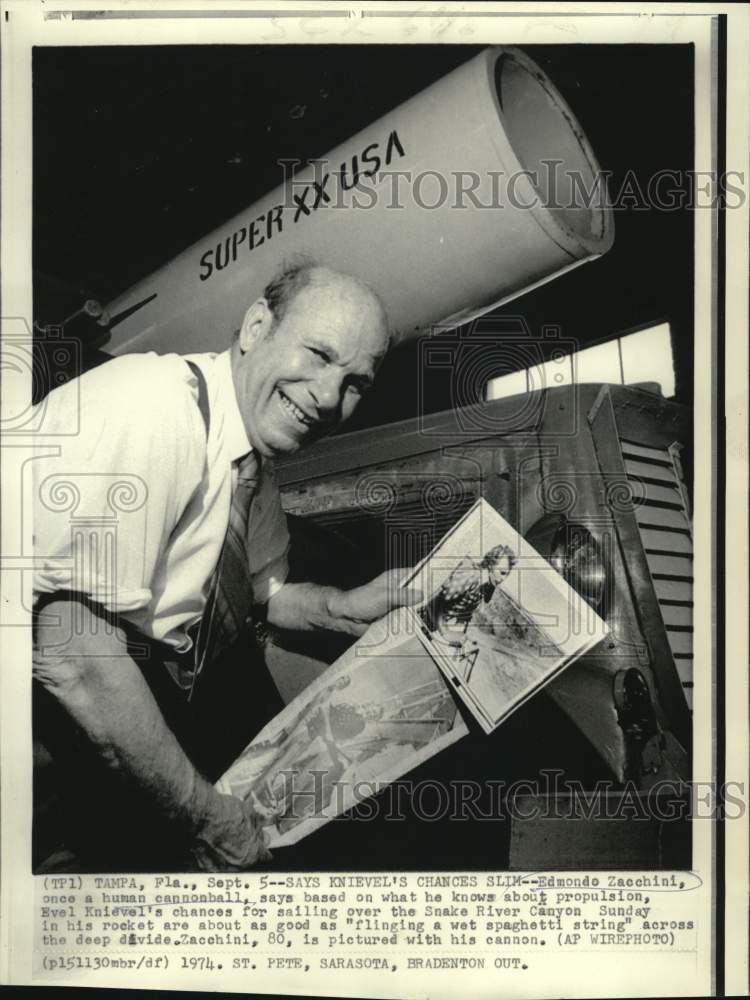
[{"x": 319, "y": 354}]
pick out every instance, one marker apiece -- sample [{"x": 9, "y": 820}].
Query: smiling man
[
  {"x": 202, "y": 540},
  {"x": 306, "y": 353}
]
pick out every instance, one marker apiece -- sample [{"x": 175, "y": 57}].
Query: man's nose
[{"x": 327, "y": 390}]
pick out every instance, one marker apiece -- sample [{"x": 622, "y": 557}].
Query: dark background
[{"x": 139, "y": 151}]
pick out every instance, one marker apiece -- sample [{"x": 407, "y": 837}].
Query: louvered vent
[{"x": 663, "y": 518}]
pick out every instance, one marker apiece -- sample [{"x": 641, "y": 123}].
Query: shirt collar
[{"x": 234, "y": 426}]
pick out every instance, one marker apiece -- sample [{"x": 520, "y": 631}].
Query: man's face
[{"x": 298, "y": 379}]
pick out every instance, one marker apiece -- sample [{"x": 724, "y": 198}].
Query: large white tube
[{"x": 436, "y": 222}]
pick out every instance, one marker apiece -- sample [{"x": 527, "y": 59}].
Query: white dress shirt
[{"x": 131, "y": 507}]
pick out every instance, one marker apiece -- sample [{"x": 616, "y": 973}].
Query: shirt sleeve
[
  {"x": 124, "y": 446},
  {"x": 268, "y": 540}
]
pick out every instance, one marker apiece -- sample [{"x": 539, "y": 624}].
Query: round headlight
[
  {"x": 582, "y": 561},
  {"x": 576, "y": 555}
]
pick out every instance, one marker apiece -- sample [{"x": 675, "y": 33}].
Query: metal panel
[
  {"x": 630, "y": 448},
  {"x": 685, "y": 671},
  {"x": 677, "y": 614},
  {"x": 681, "y": 566},
  {"x": 672, "y": 590},
  {"x": 648, "y": 420},
  {"x": 681, "y": 642},
  {"x": 654, "y": 494},
  {"x": 666, "y": 541},
  {"x": 639, "y": 422},
  {"x": 661, "y": 517},
  {"x": 649, "y": 470},
  {"x": 345, "y": 453}
]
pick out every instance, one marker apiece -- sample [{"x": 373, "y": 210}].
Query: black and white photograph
[
  {"x": 381, "y": 710},
  {"x": 366, "y": 505},
  {"x": 500, "y": 621},
  {"x": 476, "y": 218}
]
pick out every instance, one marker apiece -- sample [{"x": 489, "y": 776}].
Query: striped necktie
[{"x": 230, "y": 596}]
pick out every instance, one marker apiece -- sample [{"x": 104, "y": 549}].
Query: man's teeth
[{"x": 295, "y": 410}]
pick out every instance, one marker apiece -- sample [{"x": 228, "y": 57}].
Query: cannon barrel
[{"x": 472, "y": 192}]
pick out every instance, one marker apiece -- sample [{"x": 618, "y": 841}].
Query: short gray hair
[{"x": 282, "y": 289}]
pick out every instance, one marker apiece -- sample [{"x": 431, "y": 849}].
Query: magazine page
[
  {"x": 499, "y": 620},
  {"x": 380, "y": 710}
]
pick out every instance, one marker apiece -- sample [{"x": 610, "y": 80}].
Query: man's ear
[{"x": 255, "y": 325}]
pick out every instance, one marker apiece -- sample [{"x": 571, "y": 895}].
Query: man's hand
[
  {"x": 231, "y": 838},
  {"x": 354, "y": 610},
  {"x": 309, "y": 606}
]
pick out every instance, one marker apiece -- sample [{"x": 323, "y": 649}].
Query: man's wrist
[{"x": 201, "y": 804}]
